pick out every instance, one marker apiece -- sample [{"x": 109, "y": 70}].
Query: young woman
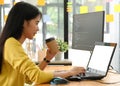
[{"x": 15, "y": 66}]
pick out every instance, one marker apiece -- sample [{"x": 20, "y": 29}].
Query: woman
[{"x": 15, "y": 66}]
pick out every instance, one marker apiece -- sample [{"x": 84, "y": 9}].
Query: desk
[{"x": 112, "y": 78}]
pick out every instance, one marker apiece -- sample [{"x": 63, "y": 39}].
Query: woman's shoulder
[{"x": 12, "y": 41}]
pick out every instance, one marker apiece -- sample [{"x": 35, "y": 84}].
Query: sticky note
[
  {"x": 41, "y": 2},
  {"x": 117, "y": 8},
  {"x": 109, "y": 18},
  {"x": 14, "y": 3},
  {"x": 5, "y": 17},
  {"x": 69, "y": 3},
  {"x": 1, "y": 2},
  {"x": 69, "y": 9},
  {"x": 83, "y": 9},
  {"x": 69, "y": 6},
  {"x": 99, "y": 8}
]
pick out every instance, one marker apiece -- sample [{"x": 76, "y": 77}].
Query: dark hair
[{"x": 14, "y": 24}]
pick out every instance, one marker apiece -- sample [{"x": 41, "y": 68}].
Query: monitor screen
[{"x": 88, "y": 28}]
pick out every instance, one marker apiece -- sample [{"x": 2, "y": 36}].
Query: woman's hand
[
  {"x": 50, "y": 55},
  {"x": 76, "y": 71},
  {"x": 70, "y": 72}
]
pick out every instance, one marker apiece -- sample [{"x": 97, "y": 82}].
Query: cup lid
[{"x": 50, "y": 39}]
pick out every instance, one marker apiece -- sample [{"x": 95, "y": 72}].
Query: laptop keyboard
[
  {"x": 87, "y": 74},
  {"x": 80, "y": 75}
]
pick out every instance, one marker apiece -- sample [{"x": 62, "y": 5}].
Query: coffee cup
[{"x": 52, "y": 45}]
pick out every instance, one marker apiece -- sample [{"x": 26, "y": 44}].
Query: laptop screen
[{"x": 101, "y": 57}]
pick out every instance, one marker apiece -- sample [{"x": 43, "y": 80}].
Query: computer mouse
[{"x": 59, "y": 80}]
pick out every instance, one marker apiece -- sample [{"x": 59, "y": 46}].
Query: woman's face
[{"x": 31, "y": 27}]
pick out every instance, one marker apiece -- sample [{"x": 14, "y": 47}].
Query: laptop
[{"x": 99, "y": 62}]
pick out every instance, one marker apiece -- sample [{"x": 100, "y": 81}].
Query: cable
[
  {"x": 115, "y": 72},
  {"x": 108, "y": 82},
  {"x": 111, "y": 70}
]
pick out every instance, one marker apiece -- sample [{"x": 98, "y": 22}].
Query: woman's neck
[{"x": 22, "y": 39}]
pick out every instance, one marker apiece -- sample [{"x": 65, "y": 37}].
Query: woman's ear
[{"x": 25, "y": 23}]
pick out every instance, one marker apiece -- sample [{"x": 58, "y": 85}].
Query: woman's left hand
[{"x": 50, "y": 55}]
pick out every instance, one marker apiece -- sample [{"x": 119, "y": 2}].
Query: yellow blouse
[{"x": 18, "y": 69}]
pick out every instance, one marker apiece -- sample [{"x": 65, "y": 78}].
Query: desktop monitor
[{"x": 88, "y": 28}]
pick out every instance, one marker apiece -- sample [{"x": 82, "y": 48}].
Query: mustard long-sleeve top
[{"x": 18, "y": 68}]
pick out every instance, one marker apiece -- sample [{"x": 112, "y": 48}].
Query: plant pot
[{"x": 59, "y": 56}]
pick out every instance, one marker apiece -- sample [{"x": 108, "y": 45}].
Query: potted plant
[{"x": 63, "y": 47}]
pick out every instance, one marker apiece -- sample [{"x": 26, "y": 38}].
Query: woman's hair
[{"x": 14, "y": 24}]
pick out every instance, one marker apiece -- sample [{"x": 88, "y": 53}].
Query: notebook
[{"x": 99, "y": 62}]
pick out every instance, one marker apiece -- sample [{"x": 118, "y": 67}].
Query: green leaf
[{"x": 63, "y": 46}]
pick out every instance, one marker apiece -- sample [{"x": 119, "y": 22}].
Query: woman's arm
[
  {"x": 43, "y": 64},
  {"x": 63, "y": 74},
  {"x": 46, "y": 60},
  {"x": 71, "y": 72}
]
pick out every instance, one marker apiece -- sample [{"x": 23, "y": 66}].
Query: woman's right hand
[
  {"x": 76, "y": 70},
  {"x": 71, "y": 72}
]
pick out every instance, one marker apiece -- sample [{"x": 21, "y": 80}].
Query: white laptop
[{"x": 99, "y": 62}]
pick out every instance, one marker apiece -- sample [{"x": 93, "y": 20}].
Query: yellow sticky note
[
  {"x": 14, "y": 3},
  {"x": 69, "y": 9},
  {"x": 69, "y": 6},
  {"x": 92, "y": 0},
  {"x": 117, "y": 8},
  {"x": 99, "y": 8},
  {"x": 41, "y": 2},
  {"x": 83, "y": 9},
  {"x": 109, "y": 18},
  {"x": 1, "y": 2},
  {"x": 5, "y": 17}
]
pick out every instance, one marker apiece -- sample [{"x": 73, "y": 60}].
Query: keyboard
[{"x": 79, "y": 77}]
